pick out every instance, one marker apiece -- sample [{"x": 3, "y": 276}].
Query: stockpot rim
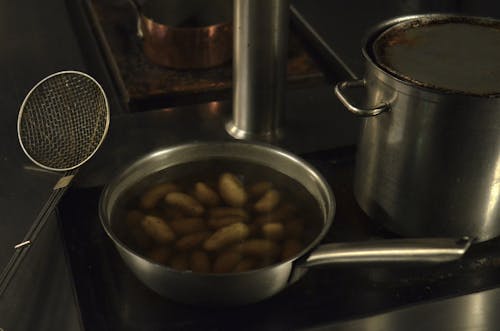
[
  {"x": 328, "y": 210},
  {"x": 400, "y": 83}
]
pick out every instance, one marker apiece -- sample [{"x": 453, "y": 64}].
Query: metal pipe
[{"x": 259, "y": 68}]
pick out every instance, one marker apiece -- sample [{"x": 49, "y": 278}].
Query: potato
[
  {"x": 227, "y": 211},
  {"x": 226, "y": 262},
  {"x": 206, "y": 195},
  {"x": 185, "y": 202},
  {"x": 232, "y": 191},
  {"x": 261, "y": 248},
  {"x": 199, "y": 261},
  {"x": 258, "y": 189},
  {"x": 273, "y": 231},
  {"x": 191, "y": 241},
  {"x": 277, "y": 215},
  {"x": 226, "y": 235},
  {"x": 291, "y": 248},
  {"x": 157, "y": 229},
  {"x": 268, "y": 201},
  {"x": 189, "y": 225},
  {"x": 221, "y": 228},
  {"x": 152, "y": 196},
  {"x": 217, "y": 223}
]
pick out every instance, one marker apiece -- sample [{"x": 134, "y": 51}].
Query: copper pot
[{"x": 190, "y": 34}]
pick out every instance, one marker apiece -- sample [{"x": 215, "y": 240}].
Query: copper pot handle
[
  {"x": 137, "y": 8},
  {"x": 340, "y": 88},
  {"x": 135, "y": 5}
]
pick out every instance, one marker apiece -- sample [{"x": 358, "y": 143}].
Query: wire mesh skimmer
[{"x": 62, "y": 122}]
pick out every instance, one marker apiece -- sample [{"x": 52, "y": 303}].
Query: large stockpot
[
  {"x": 428, "y": 160},
  {"x": 256, "y": 285}
]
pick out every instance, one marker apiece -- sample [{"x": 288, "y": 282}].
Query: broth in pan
[{"x": 217, "y": 216}]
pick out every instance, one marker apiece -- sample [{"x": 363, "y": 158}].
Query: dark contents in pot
[
  {"x": 217, "y": 216},
  {"x": 188, "y": 13},
  {"x": 457, "y": 54}
]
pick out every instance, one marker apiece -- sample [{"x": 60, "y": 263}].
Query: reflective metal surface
[
  {"x": 394, "y": 250},
  {"x": 355, "y": 109},
  {"x": 259, "y": 68},
  {"x": 256, "y": 285},
  {"x": 477, "y": 311},
  {"x": 430, "y": 166},
  {"x": 216, "y": 289},
  {"x": 63, "y": 120}
]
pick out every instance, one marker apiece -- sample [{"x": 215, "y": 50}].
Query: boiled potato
[
  {"x": 206, "y": 195},
  {"x": 226, "y": 261},
  {"x": 199, "y": 261},
  {"x": 185, "y": 202},
  {"x": 232, "y": 190},
  {"x": 227, "y": 235},
  {"x": 189, "y": 225},
  {"x": 191, "y": 241},
  {"x": 152, "y": 196},
  {"x": 157, "y": 229},
  {"x": 268, "y": 201}
]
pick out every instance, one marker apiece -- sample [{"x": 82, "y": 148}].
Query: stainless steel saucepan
[{"x": 255, "y": 285}]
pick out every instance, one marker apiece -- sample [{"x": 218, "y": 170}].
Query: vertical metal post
[{"x": 259, "y": 68}]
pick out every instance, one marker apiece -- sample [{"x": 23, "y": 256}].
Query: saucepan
[
  {"x": 188, "y": 34},
  {"x": 201, "y": 283}
]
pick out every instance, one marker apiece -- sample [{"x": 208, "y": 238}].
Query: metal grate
[{"x": 63, "y": 120}]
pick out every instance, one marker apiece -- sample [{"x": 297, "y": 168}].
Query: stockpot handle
[
  {"x": 341, "y": 87},
  {"x": 419, "y": 250}
]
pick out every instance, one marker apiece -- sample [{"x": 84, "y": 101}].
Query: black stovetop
[{"x": 111, "y": 298}]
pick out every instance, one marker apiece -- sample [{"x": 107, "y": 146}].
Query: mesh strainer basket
[{"x": 62, "y": 122}]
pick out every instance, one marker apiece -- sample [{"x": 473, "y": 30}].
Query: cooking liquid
[{"x": 185, "y": 176}]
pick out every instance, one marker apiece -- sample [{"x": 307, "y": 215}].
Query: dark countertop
[
  {"x": 40, "y": 38},
  {"x": 113, "y": 298}
]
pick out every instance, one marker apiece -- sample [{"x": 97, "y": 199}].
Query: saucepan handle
[
  {"x": 425, "y": 250},
  {"x": 340, "y": 89}
]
